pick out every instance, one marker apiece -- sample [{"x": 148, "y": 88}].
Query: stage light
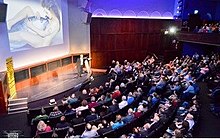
[
  {"x": 166, "y": 32},
  {"x": 172, "y": 30},
  {"x": 196, "y": 11}
]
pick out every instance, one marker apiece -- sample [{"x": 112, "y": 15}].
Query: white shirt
[{"x": 122, "y": 104}]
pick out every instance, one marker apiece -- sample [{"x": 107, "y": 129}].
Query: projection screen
[{"x": 34, "y": 24}]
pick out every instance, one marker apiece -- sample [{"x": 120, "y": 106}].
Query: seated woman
[
  {"x": 42, "y": 127},
  {"x": 27, "y": 27}
]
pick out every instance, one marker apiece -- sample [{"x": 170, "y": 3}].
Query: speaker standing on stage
[{"x": 79, "y": 65}]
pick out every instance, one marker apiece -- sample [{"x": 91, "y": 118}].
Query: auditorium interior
[{"x": 109, "y": 68}]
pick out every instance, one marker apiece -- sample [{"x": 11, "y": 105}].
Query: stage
[{"x": 56, "y": 86}]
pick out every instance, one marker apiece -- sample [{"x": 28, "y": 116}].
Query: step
[
  {"x": 16, "y": 112},
  {"x": 20, "y": 100},
  {"x": 17, "y": 109},
  {"x": 15, "y": 104}
]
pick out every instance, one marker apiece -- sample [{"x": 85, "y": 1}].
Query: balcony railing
[{"x": 203, "y": 38}]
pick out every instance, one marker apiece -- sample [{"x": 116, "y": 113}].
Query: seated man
[
  {"x": 116, "y": 93},
  {"x": 129, "y": 116},
  {"x": 123, "y": 103},
  {"x": 103, "y": 127},
  {"x": 42, "y": 116},
  {"x": 130, "y": 98},
  {"x": 89, "y": 132},
  {"x": 55, "y": 113},
  {"x": 93, "y": 103},
  {"x": 91, "y": 117},
  {"x": 73, "y": 99},
  {"x": 79, "y": 119},
  {"x": 118, "y": 122},
  {"x": 114, "y": 107},
  {"x": 62, "y": 123}
]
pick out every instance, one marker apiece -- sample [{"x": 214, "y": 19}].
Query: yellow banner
[{"x": 11, "y": 78}]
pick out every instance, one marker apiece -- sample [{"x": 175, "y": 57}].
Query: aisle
[{"x": 209, "y": 124}]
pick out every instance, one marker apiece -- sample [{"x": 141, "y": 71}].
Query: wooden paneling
[{"x": 130, "y": 39}]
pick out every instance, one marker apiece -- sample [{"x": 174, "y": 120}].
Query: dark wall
[{"x": 131, "y": 39}]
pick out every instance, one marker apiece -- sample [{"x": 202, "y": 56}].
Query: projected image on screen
[{"x": 34, "y": 24}]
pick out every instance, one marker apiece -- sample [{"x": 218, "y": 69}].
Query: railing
[{"x": 203, "y": 38}]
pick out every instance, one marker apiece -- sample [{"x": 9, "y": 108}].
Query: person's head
[
  {"x": 104, "y": 123},
  {"x": 88, "y": 127},
  {"x": 41, "y": 126},
  {"x": 135, "y": 130},
  {"x": 178, "y": 133},
  {"x": 84, "y": 91},
  {"x": 70, "y": 132},
  {"x": 130, "y": 111},
  {"x": 62, "y": 118},
  {"x": 114, "y": 101},
  {"x": 122, "y": 85},
  {"x": 189, "y": 116},
  {"x": 118, "y": 118},
  {"x": 185, "y": 124},
  {"x": 92, "y": 99},
  {"x": 69, "y": 107},
  {"x": 123, "y": 98},
  {"x": 93, "y": 111},
  {"x": 107, "y": 84},
  {"x": 84, "y": 103},
  {"x": 102, "y": 97},
  {"x": 73, "y": 96},
  {"x": 130, "y": 94},
  {"x": 117, "y": 87},
  {"x": 51, "y": 7},
  {"x": 140, "y": 108},
  {"x": 78, "y": 113},
  {"x": 55, "y": 108}
]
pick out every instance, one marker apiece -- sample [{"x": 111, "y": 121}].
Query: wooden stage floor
[{"x": 52, "y": 86}]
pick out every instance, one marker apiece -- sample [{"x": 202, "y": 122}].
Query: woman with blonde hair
[{"x": 42, "y": 127}]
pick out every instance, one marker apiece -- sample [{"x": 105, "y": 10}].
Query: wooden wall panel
[{"x": 120, "y": 39}]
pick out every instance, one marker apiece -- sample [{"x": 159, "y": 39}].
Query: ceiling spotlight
[
  {"x": 196, "y": 11},
  {"x": 172, "y": 30}
]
